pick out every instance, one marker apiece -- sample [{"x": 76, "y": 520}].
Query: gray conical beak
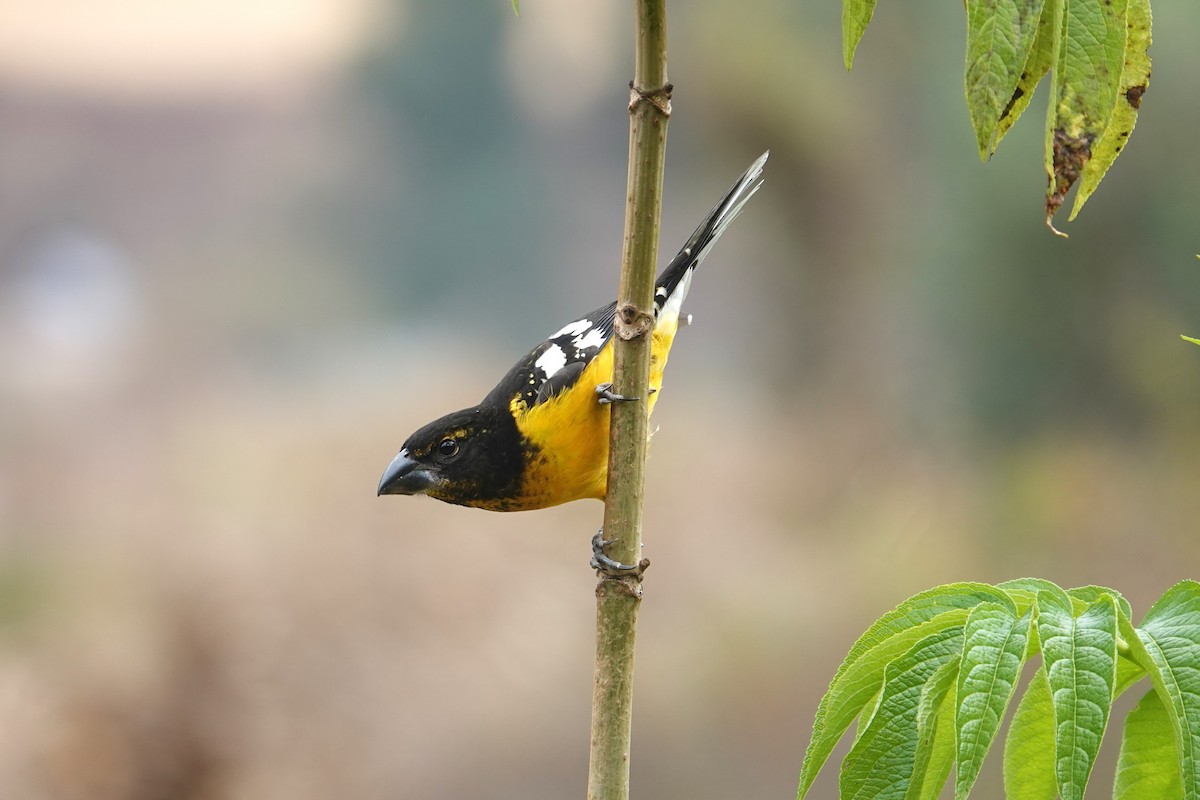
[{"x": 405, "y": 476}]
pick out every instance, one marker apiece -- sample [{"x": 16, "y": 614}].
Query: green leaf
[
  {"x": 993, "y": 653},
  {"x": 1080, "y": 654},
  {"x": 516, "y": 4},
  {"x": 1135, "y": 78},
  {"x": 1089, "y": 51},
  {"x": 961, "y": 647},
  {"x": 1149, "y": 763},
  {"x": 862, "y": 672},
  {"x": 1168, "y": 645},
  {"x": 1190, "y": 339},
  {"x": 868, "y": 710},
  {"x": 881, "y": 763},
  {"x": 1029, "y": 748},
  {"x": 1085, "y": 595},
  {"x": 1041, "y": 57},
  {"x": 935, "y": 735},
  {"x": 856, "y": 15},
  {"x": 941, "y": 756},
  {"x": 1129, "y": 672},
  {"x": 1000, "y": 38},
  {"x": 1024, "y": 591}
]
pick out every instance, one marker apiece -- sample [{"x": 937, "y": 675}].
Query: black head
[{"x": 472, "y": 457}]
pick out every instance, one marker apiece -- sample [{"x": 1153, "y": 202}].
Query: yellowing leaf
[
  {"x": 1135, "y": 78},
  {"x": 1089, "y": 53},
  {"x": 856, "y": 15}
]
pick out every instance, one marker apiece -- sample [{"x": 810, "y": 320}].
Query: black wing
[{"x": 556, "y": 364}]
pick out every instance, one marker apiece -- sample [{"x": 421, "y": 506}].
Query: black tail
[{"x": 672, "y": 286}]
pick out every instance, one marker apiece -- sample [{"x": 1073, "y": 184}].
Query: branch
[{"x": 618, "y": 599}]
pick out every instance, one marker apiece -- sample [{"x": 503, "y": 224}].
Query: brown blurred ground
[{"x": 244, "y": 252}]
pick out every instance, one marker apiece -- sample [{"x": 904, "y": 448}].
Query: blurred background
[{"x": 246, "y": 248}]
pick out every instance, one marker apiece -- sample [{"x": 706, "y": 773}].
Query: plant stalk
[{"x": 618, "y": 598}]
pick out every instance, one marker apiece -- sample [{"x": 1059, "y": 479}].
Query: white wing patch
[
  {"x": 593, "y": 338},
  {"x": 574, "y": 329},
  {"x": 551, "y": 361},
  {"x": 553, "y": 366}
]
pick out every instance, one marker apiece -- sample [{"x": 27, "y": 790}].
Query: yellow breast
[{"x": 570, "y": 430}]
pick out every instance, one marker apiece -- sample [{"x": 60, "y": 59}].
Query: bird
[{"x": 540, "y": 437}]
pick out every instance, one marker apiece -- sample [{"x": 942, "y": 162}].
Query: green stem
[{"x": 618, "y": 599}]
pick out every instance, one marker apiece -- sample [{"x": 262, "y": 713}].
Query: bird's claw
[
  {"x": 609, "y": 566},
  {"x": 607, "y": 395}
]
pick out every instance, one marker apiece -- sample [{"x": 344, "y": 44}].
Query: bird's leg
[
  {"x": 611, "y": 567},
  {"x": 607, "y": 395}
]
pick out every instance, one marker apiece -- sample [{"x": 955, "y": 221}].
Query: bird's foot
[
  {"x": 607, "y": 395},
  {"x": 609, "y": 566}
]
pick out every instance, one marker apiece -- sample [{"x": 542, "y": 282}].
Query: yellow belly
[{"x": 570, "y": 431}]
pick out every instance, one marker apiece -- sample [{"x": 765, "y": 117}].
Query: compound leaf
[
  {"x": 1080, "y": 654},
  {"x": 993, "y": 654},
  {"x": 861, "y": 674},
  {"x": 1168, "y": 645},
  {"x": 882, "y": 762}
]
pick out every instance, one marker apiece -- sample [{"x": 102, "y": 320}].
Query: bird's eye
[{"x": 448, "y": 448}]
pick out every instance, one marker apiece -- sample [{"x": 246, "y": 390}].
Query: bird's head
[{"x": 470, "y": 457}]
